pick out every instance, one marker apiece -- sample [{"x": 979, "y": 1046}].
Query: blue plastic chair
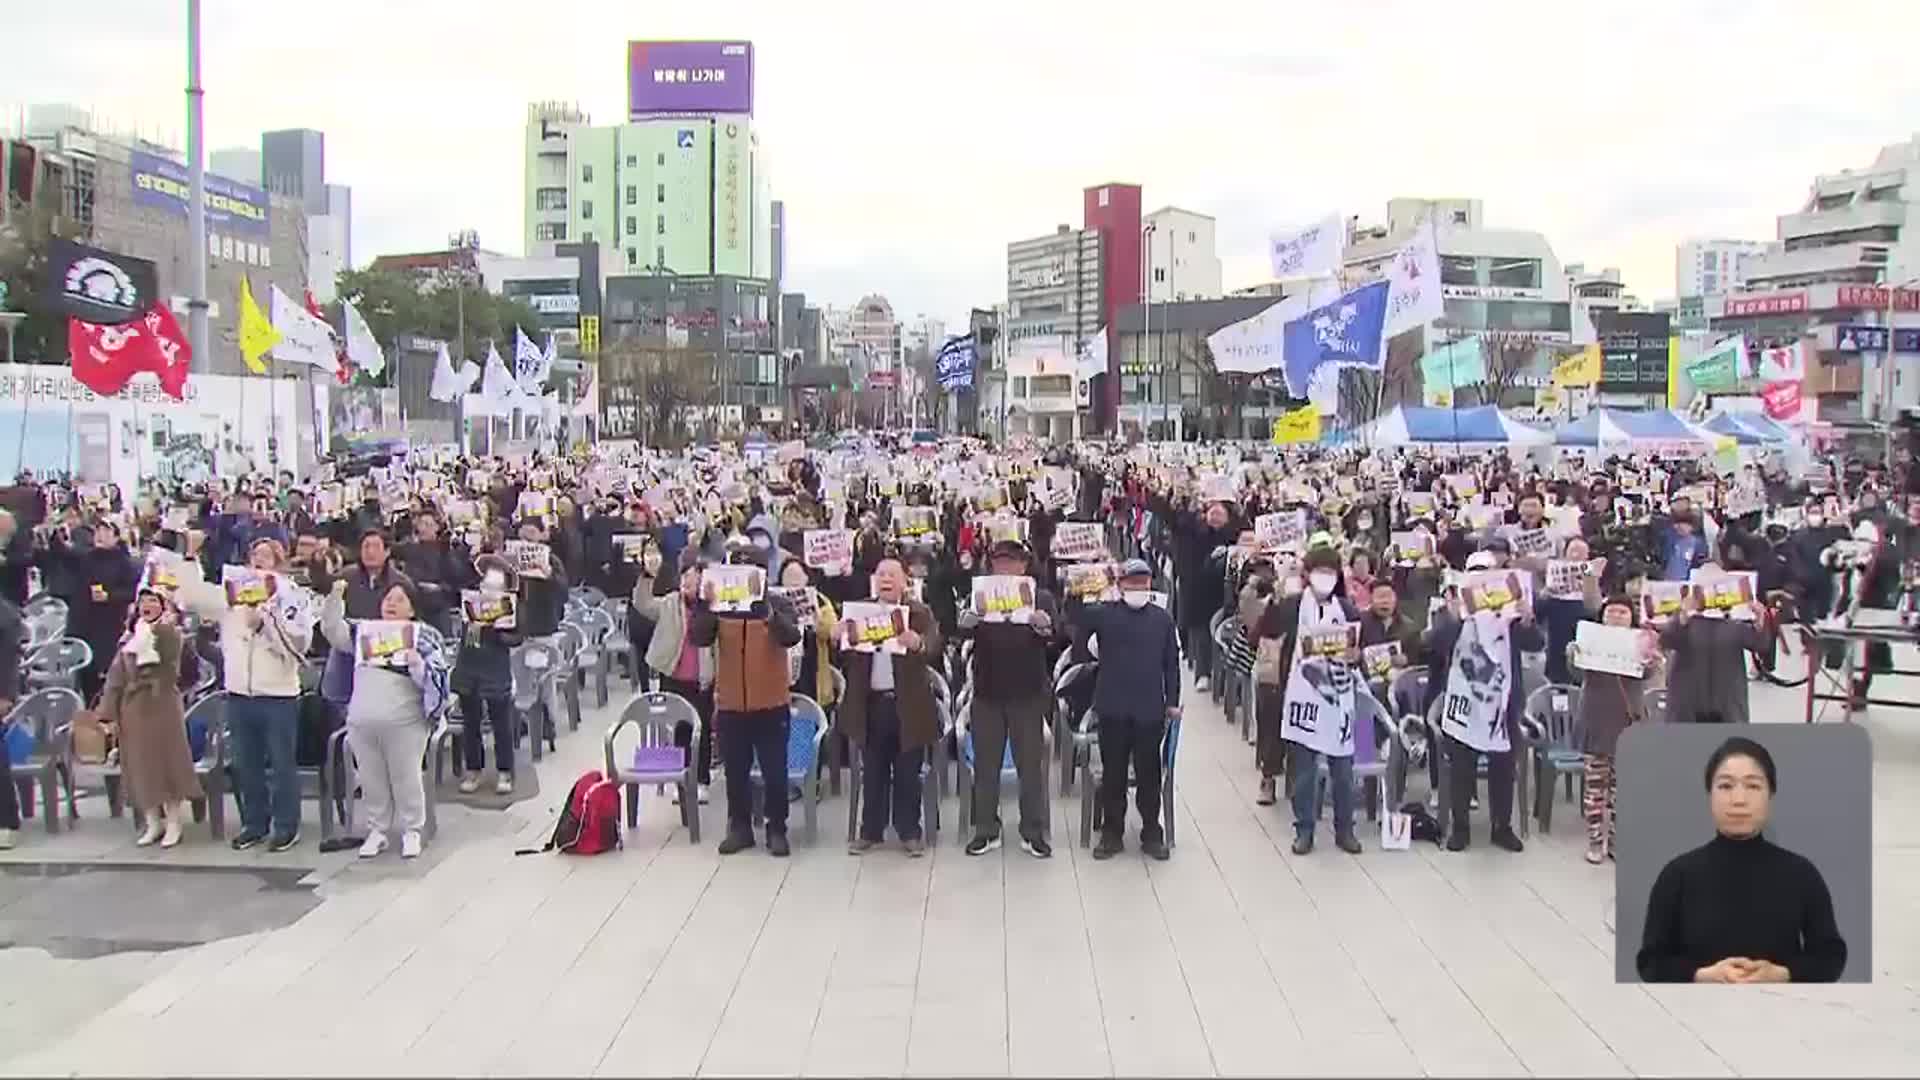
[{"x": 806, "y": 727}]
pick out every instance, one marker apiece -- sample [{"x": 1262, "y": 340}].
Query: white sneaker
[
  {"x": 703, "y": 794},
  {"x": 469, "y": 783},
  {"x": 8, "y": 838},
  {"x": 373, "y": 845},
  {"x": 1202, "y": 684},
  {"x": 503, "y": 784},
  {"x": 155, "y": 826},
  {"x": 410, "y": 844}
]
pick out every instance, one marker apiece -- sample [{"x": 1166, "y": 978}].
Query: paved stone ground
[{"x": 1235, "y": 958}]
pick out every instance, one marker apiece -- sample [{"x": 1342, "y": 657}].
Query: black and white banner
[
  {"x": 98, "y": 286},
  {"x": 953, "y": 367}
]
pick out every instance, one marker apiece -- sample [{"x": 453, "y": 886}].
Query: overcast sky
[{"x": 912, "y": 141}]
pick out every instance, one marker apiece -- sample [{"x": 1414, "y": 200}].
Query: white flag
[
  {"x": 1413, "y": 286},
  {"x": 530, "y": 365},
  {"x": 1323, "y": 389},
  {"x": 1787, "y": 363},
  {"x": 1093, "y": 356},
  {"x": 1314, "y": 251},
  {"x": 303, "y": 338},
  {"x": 1258, "y": 343},
  {"x": 448, "y": 383},
  {"x": 363, "y": 351},
  {"x": 496, "y": 383}
]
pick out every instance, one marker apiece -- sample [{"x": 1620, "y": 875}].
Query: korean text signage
[
  {"x": 1767, "y": 304},
  {"x": 666, "y": 77},
  {"x": 231, "y": 207},
  {"x": 1490, "y": 292},
  {"x": 1874, "y": 296},
  {"x": 1633, "y": 346},
  {"x": 1874, "y": 339}
]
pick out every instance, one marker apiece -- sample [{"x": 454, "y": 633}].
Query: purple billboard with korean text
[{"x": 671, "y": 77}]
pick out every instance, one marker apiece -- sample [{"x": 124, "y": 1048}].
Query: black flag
[{"x": 98, "y": 286}]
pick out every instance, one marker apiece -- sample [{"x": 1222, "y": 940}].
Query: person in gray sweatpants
[
  {"x": 387, "y": 724},
  {"x": 1012, "y": 688}
]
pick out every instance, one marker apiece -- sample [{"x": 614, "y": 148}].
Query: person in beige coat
[
  {"x": 141, "y": 703},
  {"x": 684, "y": 668}
]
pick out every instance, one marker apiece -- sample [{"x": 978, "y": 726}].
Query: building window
[
  {"x": 633, "y": 256},
  {"x": 1459, "y": 270},
  {"x": 586, "y": 174},
  {"x": 660, "y": 258},
  {"x": 660, "y": 158},
  {"x": 633, "y": 194},
  {"x": 1159, "y": 275},
  {"x": 1020, "y": 381},
  {"x": 660, "y": 193},
  {"x": 1514, "y": 273},
  {"x": 1189, "y": 386},
  {"x": 1192, "y": 237},
  {"x": 550, "y": 230},
  {"x": 633, "y": 226},
  {"x": 632, "y": 161},
  {"x": 586, "y": 238},
  {"x": 550, "y": 198},
  {"x": 660, "y": 225},
  {"x": 586, "y": 209},
  {"x": 1105, "y": 195}
]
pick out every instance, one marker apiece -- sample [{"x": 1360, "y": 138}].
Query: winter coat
[
  {"x": 143, "y": 702},
  {"x": 1709, "y": 672},
  {"x": 913, "y": 689}
]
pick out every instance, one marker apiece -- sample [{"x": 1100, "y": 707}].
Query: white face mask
[
  {"x": 1137, "y": 598},
  {"x": 1323, "y": 583},
  {"x": 1364, "y": 524},
  {"x": 1815, "y": 521}
]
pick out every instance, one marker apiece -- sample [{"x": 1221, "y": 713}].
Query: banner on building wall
[{"x": 232, "y": 207}]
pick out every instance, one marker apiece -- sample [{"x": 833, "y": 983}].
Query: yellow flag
[
  {"x": 1580, "y": 369},
  {"x": 1440, "y": 399},
  {"x": 1302, "y": 425},
  {"x": 257, "y": 334}
]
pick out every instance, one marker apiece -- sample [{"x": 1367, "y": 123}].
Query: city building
[
  {"x": 875, "y": 333},
  {"x": 1113, "y": 212},
  {"x": 1711, "y": 267},
  {"x": 131, "y": 198},
  {"x": 1592, "y": 291},
  {"x": 1181, "y": 259},
  {"x": 240, "y": 163},
  {"x": 1825, "y": 283},
  {"x": 294, "y": 162},
  {"x": 677, "y": 195},
  {"x": 1055, "y": 287},
  {"x": 1504, "y": 287},
  {"x": 1168, "y": 384},
  {"x": 717, "y": 324}
]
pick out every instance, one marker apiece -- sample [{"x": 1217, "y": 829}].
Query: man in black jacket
[
  {"x": 1013, "y": 682},
  {"x": 1135, "y": 694}
]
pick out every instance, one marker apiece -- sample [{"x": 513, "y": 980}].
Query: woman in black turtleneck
[{"x": 1738, "y": 909}]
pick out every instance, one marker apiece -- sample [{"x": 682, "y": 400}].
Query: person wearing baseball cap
[
  {"x": 1135, "y": 693},
  {"x": 1013, "y": 689}
]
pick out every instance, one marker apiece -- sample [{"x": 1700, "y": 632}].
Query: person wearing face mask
[
  {"x": 1708, "y": 680},
  {"x": 681, "y": 666},
  {"x": 1321, "y": 711},
  {"x": 1479, "y": 691},
  {"x": 889, "y": 713},
  {"x": 1812, "y": 584},
  {"x": 141, "y": 703},
  {"x": 1560, "y": 616},
  {"x": 483, "y": 681},
  {"x": 1136, "y": 692},
  {"x": 436, "y": 568},
  {"x": 1202, "y": 592},
  {"x": 103, "y": 578}
]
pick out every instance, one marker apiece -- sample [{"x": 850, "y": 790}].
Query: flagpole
[
  {"x": 26, "y": 404},
  {"x": 196, "y": 190}
]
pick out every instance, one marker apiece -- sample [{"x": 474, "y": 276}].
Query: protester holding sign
[
  {"x": 1610, "y": 701},
  {"x": 1477, "y": 684},
  {"x": 483, "y": 675},
  {"x": 1011, "y": 700},
  {"x": 388, "y": 708},
  {"x": 141, "y": 703},
  {"x": 1571, "y": 593},
  {"x": 1708, "y": 683},
  {"x": 890, "y": 714},
  {"x": 750, "y": 700},
  {"x": 683, "y": 666}
]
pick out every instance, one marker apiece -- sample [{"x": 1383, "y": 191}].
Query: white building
[
  {"x": 1713, "y": 267},
  {"x": 330, "y": 242},
  {"x": 924, "y": 332},
  {"x": 240, "y": 163},
  {"x": 1182, "y": 263},
  {"x": 872, "y": 328},
  {"x": 1053, "y": 286},
  {"x": 1591, "y": 291},
  {"x": 1852, "y": 227},
  {"x": 1039, "y": 395}
]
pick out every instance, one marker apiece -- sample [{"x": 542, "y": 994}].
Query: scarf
[{"x": 1479, "y": 684}]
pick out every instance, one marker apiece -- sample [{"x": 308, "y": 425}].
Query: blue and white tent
[
  {"x": 1620, "y": 430},
  {"x": 1751, "y": 429},
  {"x": 1419, "y": 425}
]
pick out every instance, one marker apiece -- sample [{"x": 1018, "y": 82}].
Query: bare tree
[
  {"x": 1507, "y": 359},
  {"x": 665, "y": 382}
]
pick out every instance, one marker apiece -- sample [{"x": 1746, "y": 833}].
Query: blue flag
[
  {"x": 953, "y": 367},
  {"x": 1345, "y": 332}
]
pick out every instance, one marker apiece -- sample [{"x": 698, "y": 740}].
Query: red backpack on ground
[{"x": 590, "y": 822}]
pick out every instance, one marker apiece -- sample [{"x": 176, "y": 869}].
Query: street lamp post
[{"x": 1146, "y": 324}]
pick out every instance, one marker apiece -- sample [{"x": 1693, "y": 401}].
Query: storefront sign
[
  {"x": 1767, "y": 304},
  {"x": 1875, "y": 296},
  {"x": 1490, "y": 292},
  {"x": 1874, "y": 339}
]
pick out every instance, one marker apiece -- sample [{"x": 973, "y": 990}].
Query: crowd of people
[{"x": 1338, "y": 571}]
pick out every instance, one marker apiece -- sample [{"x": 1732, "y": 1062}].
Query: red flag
[
  {"x": 106, "y": 358},
  {"x": 102, "y": 356},
  {"x": 1782, "y": 400}
]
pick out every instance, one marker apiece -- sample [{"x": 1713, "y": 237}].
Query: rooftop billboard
[{"x": 677, "y": 77}]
